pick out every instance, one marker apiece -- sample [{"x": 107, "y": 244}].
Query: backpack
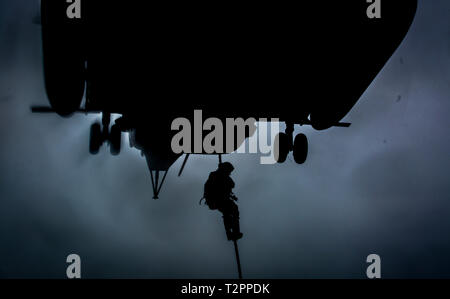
[{"x": 210, "y": 192}]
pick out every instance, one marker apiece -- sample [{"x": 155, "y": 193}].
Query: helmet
[{"x": 227, "y": 167}]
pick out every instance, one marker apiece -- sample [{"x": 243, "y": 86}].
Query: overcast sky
[{"x": 381, "y": 186}]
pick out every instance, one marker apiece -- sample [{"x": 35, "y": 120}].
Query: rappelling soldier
[{"x": 219, "y": 196}]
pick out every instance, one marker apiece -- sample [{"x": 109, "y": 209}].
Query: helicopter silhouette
[{"x": 305, "y": 64}]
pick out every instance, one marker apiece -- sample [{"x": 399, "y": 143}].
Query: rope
[{"x": 238, "y": 261}]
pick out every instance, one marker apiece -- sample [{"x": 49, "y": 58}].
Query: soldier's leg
[
  {"x": 234, "y": 210},
  {"x": 227, "y": 222}
]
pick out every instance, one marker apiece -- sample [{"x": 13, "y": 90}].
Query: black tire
[
  {"x": 95, "y": 140},
  {"x": 282, "y": 151},
  {"x": 300, "y": 148},
  {"x": 115, "y": 140}
]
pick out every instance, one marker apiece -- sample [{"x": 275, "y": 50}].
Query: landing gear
[
  {"x": 300, "y": 150},
  {"x": 283, "y": 148},
  {"x": 284, "y": 144},
  {"x": 115, "y": 140},
  {"x": 96, "y": 139},
  {"x": 100, "y": 136}
]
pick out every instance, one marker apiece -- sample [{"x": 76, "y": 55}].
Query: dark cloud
[{"x": 377, "y": 187}]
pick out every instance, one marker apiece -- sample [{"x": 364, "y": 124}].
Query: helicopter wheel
[
  {"x": 281, "y": 147},
  {"x": 115, "y": 140},
  {"x": 95, "y": 140},
  {"x": 300, "y": 148}
]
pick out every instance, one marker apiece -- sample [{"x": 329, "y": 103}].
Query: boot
[
  {"x": 236, "y": 229},
  {"x": 228, "y": 225},
  {"x": 237, "y": 236}
]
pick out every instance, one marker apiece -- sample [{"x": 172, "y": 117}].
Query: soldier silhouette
[{"x": 219, "y": 196}]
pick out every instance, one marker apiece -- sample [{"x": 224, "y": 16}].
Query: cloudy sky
[{"x": 381, "y": 186}]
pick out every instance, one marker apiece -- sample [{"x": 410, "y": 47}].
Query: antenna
[{"x": 184, "y": 164}]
